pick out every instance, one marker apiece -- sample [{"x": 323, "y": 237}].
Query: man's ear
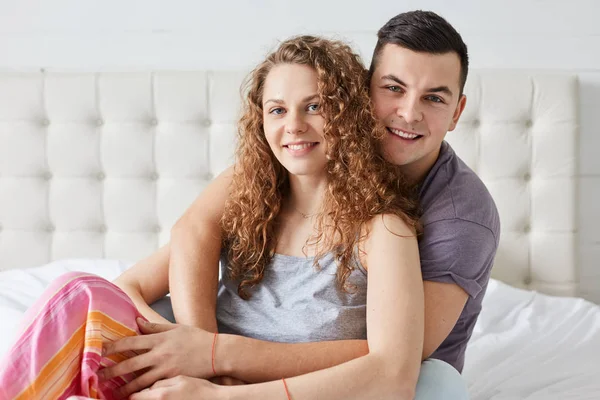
[{"x": 460, "y": 107}]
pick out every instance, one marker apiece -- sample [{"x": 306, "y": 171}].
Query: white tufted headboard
[
  {"x": 519, "y": 133},
  {"x": 101, "y": 165}
]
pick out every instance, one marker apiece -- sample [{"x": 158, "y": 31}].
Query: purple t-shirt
[{"x": 461, "y": 230}]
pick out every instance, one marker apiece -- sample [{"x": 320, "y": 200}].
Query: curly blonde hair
[{"x": 361, "y": 184}]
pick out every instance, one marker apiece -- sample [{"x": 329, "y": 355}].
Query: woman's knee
[
  {"x": 440, "y": 381},
  {"x": 93, "y": 286},
  {"x": 72, "y": 278}
]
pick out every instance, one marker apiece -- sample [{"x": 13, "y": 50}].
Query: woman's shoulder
[
  {"x": 388, "y": 224},
  {"x": 387, "y": 234}
]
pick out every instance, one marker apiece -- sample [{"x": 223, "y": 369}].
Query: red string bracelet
[
  {"x": 213, "y": 354},
  {"x": 287, "y": 392}
]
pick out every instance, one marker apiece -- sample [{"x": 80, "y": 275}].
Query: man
[{"x": 417, "y": 77}]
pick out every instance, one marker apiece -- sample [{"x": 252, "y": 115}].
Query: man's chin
[
  {"x": 398, "y": 161},
  {"x": 395, "y": 156}
]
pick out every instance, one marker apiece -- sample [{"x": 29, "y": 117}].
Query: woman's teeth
[{"x": 300, "y": 146}]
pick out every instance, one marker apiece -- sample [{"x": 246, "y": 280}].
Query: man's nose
[{"x": 409, "y": 109}]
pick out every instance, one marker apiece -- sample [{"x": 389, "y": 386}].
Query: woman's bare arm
[
  {"x": 147, "y": 281},
  {"x": 194, "y": 256}
]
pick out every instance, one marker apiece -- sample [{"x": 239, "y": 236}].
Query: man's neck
[{"x": 417, "y": 171}]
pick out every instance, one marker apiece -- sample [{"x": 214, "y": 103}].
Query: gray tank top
[{"x": 295, "y": 302}]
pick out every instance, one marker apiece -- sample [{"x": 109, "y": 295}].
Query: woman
[
  {"x": 359, "y": 161},
  {"x": 309, "y": 190}
]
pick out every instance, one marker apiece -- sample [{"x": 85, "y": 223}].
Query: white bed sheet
[
  {"x": 525, "y": 345},
  {"x": 532, "y": 346}
]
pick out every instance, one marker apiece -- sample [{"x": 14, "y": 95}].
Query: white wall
[{"x": 178, "y": 34}]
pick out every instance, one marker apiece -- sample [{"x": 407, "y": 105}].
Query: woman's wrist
[{"x": 226, "y": 347}]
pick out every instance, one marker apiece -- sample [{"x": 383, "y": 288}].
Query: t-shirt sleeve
[{"x": 458, "y": 251}]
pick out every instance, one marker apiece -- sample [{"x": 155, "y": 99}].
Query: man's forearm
[{"x": 254, "y": 360}]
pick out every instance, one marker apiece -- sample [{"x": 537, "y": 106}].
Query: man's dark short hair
[{"x": 422, "y": 32}]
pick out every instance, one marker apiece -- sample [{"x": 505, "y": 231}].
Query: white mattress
[
  {"x": 531, "y": 346},
  {"x": 525, "y": 345}
]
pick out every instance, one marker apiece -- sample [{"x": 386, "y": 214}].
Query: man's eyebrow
[
  {"x": 438, "y": 89},
  {"x": 443, "y": 89},
  {"x": 394, "y": 78}
]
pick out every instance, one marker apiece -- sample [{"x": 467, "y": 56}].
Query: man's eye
[{"x": 435, "y": 99}]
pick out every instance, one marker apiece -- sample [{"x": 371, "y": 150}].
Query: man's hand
[
  {"x": 168, "y": 350},
  {"x": 180, "y": 388}
]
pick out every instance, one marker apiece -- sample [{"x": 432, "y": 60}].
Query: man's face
[{"x": 417, "y": 97}]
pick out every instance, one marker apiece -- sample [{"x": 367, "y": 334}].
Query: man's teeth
[
  {"x": 403, "y": 134},
  {"x": 300, "y": 146}
]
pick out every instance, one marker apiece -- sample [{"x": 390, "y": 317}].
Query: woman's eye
[
  {"x": 313, "y": 107},
  {"x": 394, "y": 88},
  {"x": 277, "y": 111}
]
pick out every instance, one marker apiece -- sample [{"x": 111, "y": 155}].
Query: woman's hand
[
  {"x": 168, "y": 350},
  {"x": 181, "y": 388}
]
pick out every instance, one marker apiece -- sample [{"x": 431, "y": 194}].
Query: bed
[{"x": 96, "y": 167}]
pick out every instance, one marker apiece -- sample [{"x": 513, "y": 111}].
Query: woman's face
[{"x": 292, "y": 121}]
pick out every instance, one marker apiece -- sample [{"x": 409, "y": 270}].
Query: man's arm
[
  {"x": 245, "y": 358},
  {"x": 196, "y": 245},
  {"x": 195, "y": 248},
  {"x": 258, "y": 361},
  {"x": 444, "y": 302}
]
